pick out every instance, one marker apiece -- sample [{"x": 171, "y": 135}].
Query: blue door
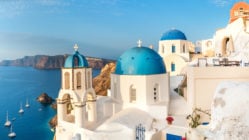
[{"x": 173, "y": 137}]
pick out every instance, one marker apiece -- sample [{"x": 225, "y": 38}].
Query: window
[
  {"x": 173, "y": 48},
  {"x": 89, "y": 79},
  {"x": 76, "y": 62},
  {"x": 67, "y": 80},
  {"x": 156, "y": 96},
  {"x": 78, "y": 75},
  {"x": 162, "y": 49},
  {"x": 132, "y": 94},
  {"x": 115, "y": 90},
  {"x": 202, "y": 62},
  {"x": 183, "y": 48},
  {"x": 173, "y": 67}
]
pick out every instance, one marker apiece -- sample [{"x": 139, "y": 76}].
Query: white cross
[
  {"x": 139, "y": 43},
  {"x": 76, "y": 47}
]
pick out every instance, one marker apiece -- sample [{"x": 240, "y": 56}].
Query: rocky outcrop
[
  {"x": 52, "y": 62},
  {"x": 54, "y": 105},
  {"x": 44, "y": 99},
  {"x": 53, "y": 122},
  {"x": 102, "y": 82}
]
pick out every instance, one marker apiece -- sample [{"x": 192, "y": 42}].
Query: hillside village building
[
  {"x": 230, "y": 46},
  {"x": 231, "y": 40},
  {"x": 174, "y": 49},
  {"x": 142, "y": 91}
]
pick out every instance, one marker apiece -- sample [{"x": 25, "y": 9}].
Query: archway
[
  {"x": 162, "y": 49},
  {"x": 89, "y": 81},
  {"x": 64, "y": 108},
  {"x": 78, "y": 75},
  {"x": 67, "y": 80},
  {"x": 67, "y": 102},
  {"x": 91, "y": 106},
  {"x": 75, "y": 61},
  {"x": 227, "y": 46},
  {"x": 132, "y": 94},
  {"x": 184, "y": 48}
]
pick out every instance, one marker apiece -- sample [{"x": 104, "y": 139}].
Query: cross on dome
[
  {"x": 139, "y": 43},
  {"x": 76, "y": 47}
]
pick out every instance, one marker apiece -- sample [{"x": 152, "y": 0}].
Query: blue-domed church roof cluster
[
  {"x": 75, "y": 60},
  {"x": 174, "y": 34},
  {"x": 140, "y": 61}
]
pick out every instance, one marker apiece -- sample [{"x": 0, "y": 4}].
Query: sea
[{"x": 18, "y": 84}]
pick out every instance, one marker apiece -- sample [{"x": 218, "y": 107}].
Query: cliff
[
  {"x": 51, "y": 62},
  {"x": 102, "y": 82}
]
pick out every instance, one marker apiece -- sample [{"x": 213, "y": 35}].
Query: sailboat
[
  {"x": 11, "y": 134},
  {"x": 27, "y": 104},
  {"x": 7, "y": 123},
  {"x": 21, "y": 110}
]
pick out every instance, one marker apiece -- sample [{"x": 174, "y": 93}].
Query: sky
[{"x": 102, "y": 28}]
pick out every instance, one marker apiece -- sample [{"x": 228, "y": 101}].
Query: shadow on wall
[{"x": 157, "y": 136}]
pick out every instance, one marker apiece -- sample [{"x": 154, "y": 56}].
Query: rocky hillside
[
  {"x": 51, "y": 62},
  {"x": 102, "y": 82}
]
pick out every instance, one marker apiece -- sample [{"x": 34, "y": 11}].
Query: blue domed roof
[
  {"x": 174, "y": 34},
  {"x": 76, "y": 60},
  {"x": 140, "y": 61}
]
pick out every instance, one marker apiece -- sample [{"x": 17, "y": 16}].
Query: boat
[
  {"x": 7, "y": 123},
  {"x": 21, "y": 110},
  {"x": 11, "y": 134},
  {"x": 27, "y": 104}
]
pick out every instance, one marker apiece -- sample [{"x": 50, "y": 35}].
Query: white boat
[
  {"x": 27, "y": 104},
  {"x": 7, "y": 123},
  {"x": 21, "y": 110},
  {"x": 11, "y": 134}
]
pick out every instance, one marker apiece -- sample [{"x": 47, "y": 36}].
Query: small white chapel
[{"x": 139, "y": 96}]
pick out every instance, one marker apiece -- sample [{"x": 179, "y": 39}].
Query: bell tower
[{"x": 76, "y": 87}]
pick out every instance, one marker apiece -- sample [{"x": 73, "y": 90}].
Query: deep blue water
[{"x": 18, "y": 84}]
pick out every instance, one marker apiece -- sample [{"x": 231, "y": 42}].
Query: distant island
[{"x": 52, "y": 62}]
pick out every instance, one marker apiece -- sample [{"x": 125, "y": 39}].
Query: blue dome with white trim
[
  {"x": 76, "y": 60},
  {"x": 140, "y": 61},
  {"x": 173, "y": 34}
]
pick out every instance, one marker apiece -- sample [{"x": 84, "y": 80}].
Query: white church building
[
  {"x": 141, "y": 81},
  {"x": 174, "y": 49},
  {"x": 139, "y": 96}
]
